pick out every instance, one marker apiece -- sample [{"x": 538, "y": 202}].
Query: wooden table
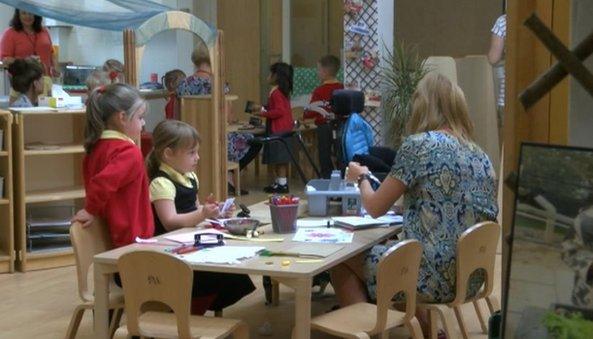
[{"x": 297, "y": 276}]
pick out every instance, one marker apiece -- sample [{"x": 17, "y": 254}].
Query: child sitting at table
[
  {"x": 174, "y": 195},
  {"x": 279, "y": 120},
  {"x": 171, "y": 80},
  {"x": 320, "y": 109},
  {"x": 27, "y": 80}
]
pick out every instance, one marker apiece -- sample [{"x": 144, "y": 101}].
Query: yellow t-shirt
[{"x": 162, "y": 188}]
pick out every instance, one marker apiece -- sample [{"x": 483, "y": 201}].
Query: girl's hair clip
[{"x": 113, "y": 75}]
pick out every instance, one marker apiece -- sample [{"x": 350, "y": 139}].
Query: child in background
[
  {"x": 279, "y": 120},
  {"x": 320, "y": 109},
  {"x": 115, "y": 70},
  {"x": 27, "y": 80},
  {"x": 174, "y": 195},
  {"x": 96, "y": 79},
  {"x": 115, "y": 179},
  {"x": 171, "y": 80}
]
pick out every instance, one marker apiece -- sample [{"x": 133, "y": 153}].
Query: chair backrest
[
  {"x": 476, "y": 249},
  {"x": 357, "y": 137},
  {"x": 86, "y": 242},
  {"x": 397, "y": 271},
  {"x": 154, "y": 276}
]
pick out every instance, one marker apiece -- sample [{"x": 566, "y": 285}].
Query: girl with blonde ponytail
[
  {"x": 115, "y": 180},
  {"x": 174, "y": 195}
]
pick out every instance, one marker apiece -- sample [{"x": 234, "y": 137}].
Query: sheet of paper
[
  {"x": 33, "y": 109},
  {"x": 222, "y": 254},
  {"x": 323, "y": 235},
  {"x": 313, "y": 222}
]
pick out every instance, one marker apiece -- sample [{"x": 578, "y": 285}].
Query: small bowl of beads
[{"x": 241, "y": 226}]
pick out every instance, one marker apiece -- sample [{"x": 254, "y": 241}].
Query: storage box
[{"x": 319, "y": 195}]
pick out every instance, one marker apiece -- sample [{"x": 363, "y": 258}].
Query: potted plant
[{"x": 401, "y": 72}]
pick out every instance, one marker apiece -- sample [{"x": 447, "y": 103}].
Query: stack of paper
[
  {"x": 357, "y": 223},
  {"x": 222, "y": 254}
]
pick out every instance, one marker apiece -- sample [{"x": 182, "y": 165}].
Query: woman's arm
[
  {"x": 171, "y": 220},
  {"x": 376, "y": 203},
  {"x": 496, "y": 49}
]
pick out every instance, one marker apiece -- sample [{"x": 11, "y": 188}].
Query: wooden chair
[
  {"x": 149, "y": 276},
  {"x": 396, "y": 272},
  {"x": 86, "y": 242},
  {"x": 234, "y": 167},
  {"x": 476, "y": 249}
]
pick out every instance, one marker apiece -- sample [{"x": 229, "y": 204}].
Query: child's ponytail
[
  {"x": 104, "y": 102},
  {"x": 153, "y": 163}
]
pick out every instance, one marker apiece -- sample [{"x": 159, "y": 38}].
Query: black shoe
[{"x": 276, "y": 188}]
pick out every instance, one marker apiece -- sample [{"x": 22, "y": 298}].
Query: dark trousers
[{"x": 324, "y": 148}]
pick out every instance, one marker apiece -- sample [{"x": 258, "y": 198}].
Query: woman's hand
[
  {"x": 83, "y": 217},
  {"x": 354, "y": 171},
  {"x": 7, "y": 61}
]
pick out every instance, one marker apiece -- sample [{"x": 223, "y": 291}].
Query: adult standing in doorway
[{"x": 496, "y": 59}]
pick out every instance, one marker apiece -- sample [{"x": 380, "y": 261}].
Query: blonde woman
[{"x": 449, "y": 185}]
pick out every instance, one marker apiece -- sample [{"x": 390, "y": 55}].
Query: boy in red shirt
[{"x": 320, "y": 109}]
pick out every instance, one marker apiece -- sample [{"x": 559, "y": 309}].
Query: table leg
[
  {"x": 102, "y": 277},
  {"x": 302, "y": 313}
]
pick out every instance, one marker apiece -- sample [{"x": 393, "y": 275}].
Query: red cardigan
[
  {"x": 322, "y": 93},
  {"x": 116, "y": 186},
  {"x": 278, "y": 112}
]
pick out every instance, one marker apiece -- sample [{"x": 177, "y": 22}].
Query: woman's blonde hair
[
  {"x": 440, "y": 104},
  {"x": 171, "y": 134}
]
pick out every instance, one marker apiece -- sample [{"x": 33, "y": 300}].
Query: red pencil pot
[{"x": 284, "y": 218}]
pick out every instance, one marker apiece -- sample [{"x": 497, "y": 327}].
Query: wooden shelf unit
[
  {"x": 7, "y": 252},
  {"x": 46, "y": 177}
]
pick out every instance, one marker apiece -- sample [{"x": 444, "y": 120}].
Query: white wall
[{"x": 581, "y": 103}]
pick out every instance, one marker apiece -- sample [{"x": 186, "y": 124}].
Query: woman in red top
[
  {"x": 26, "y": 37},
  {"x": 279, "y": 120},
  {"x": 115, "y": 178}
]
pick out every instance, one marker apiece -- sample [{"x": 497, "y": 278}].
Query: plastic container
[
  {"x": 319, "y": 193},
  {"x": 284, "y": 218}
]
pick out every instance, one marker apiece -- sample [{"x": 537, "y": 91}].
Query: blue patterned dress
[
  {"x": 450, "y": 186},
  {"x": 237, "y": 142}
]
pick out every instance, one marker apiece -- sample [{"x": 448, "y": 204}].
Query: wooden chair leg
[
  {"x": 237, "y": 180},
  {"x": 448, "y": 321},
  {"x": 433, "y": 324},
  {"x": 75, "y": 322},
  {"x": 117, "y": 313},
  {"x": 480, "y": 316},
  {"x": 275, "y": 293},
  {"x": 257, "y": 162},
  {"x": 493, "y": 304},
  {"x": 241, "y": 331},
  {"x": 414, "y": 327},
  {"x": 461, "y": 322}
]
